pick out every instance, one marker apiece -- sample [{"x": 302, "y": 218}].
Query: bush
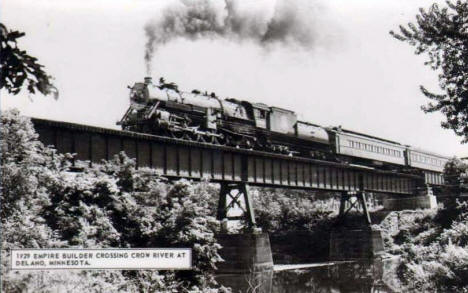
[
  {"x": 109, "y": 205},
  {"x": 279, "y": 211},
  {"x": 434, "y": 250}
]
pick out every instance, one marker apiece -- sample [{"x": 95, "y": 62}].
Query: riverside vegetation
[
  {"x": 433, "y": 249},
  {"x": 113, "y": 204},
  {"x": 108, "y": 205}
]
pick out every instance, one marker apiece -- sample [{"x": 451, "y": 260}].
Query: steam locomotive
[{"x": 162, "y": 109}]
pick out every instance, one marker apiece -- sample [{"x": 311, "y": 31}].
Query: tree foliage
[
  {"x": 18, "y": 69},
  {"x": 442, "y": 34},
  {"x": 434, "y": 250},
  {"x": 285, "y": 211},
  {"x": 455, "y": 176},
  {"x": 44, "y": 205}
]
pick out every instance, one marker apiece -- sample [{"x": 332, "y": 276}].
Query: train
[{"x": 162, "y": 109}]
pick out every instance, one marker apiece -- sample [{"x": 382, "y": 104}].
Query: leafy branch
[
  {"x": 18, "y": 69},
  {"x": 442, "y": 34}
]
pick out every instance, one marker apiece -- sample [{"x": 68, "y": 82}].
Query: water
[{"x": 348, "y": 277}]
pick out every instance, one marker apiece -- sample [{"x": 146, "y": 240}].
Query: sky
[{"x": 352, "y": 73}]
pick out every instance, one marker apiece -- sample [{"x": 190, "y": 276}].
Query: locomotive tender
[{"x": 164, "y": 110}]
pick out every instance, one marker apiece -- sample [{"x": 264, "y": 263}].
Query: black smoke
[{"x": 284, "y": 22}]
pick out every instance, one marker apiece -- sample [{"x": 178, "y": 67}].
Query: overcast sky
[{"x": 354, "y": 74}]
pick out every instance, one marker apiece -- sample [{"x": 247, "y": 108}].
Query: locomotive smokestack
[{"x": 148, "y": 80}]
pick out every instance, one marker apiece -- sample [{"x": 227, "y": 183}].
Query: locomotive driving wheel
[
  {"x": 193, "y": 136},
  {"x": 248, "y": 142},
  {"x": 221, "y": 140},
  {"x": 201, "y": 138},
  {"x": 216, "y": 139},
  {"x": 147, "y": 129},
  {"x": 198, "y": 137},
  {"x": 227, "y": 139},
  {"x": 177, "y": 134}
]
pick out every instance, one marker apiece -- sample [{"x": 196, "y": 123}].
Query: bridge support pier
[
  {"x": 357, "y": 243},
  {"x": 353, "y": 238},
  {"x": 246, "y": 256},
  {"x": 425, "y": 200}
]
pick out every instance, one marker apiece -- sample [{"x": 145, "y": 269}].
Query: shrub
[
  {"x": 434, "y": 251},
  {"x": 109, "y": 205},
  {"x": 282, "y": 211}
]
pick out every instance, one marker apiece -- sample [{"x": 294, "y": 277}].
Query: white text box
[{"x": 125, "y": 259}]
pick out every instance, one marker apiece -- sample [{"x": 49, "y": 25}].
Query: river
[{"x": 363, "y": 276}]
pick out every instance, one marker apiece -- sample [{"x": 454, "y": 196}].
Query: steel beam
[
  {"x": 236, "y": 193},
  {"x": 175, "y": 158}
]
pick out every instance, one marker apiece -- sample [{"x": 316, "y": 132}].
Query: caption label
[{"x": 126, "y": 259}]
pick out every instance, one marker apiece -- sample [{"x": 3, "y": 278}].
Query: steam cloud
[{"x": 285, "y": 22}]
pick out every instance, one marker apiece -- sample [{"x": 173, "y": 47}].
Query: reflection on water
[
  {"x": 360, "y": 276},
  {"x": 260, "y": 282}
]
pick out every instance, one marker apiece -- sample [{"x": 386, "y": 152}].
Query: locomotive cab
[{"x": 261, "y": 113}]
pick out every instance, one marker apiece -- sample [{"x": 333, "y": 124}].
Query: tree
[
  {"x": 455, "y": 172},
  {"x": 442, "y": 34},
  {"x": 17, "y": 68}
]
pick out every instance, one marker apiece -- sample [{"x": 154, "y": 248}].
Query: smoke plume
[{"x": 284, "y": 22}]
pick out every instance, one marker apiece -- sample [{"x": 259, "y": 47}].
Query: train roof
[
  {"x": 261, "y": 106},
  {"x": 281, "y": 109},
  {"x": 416, "y": 149},
  {"x": 366, "y": 135},
  {"x": 308, "y": 123},
  {"x": 419, "y": 150}
]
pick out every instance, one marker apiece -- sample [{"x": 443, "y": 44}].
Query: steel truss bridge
[{"x": 234, "y": 168}]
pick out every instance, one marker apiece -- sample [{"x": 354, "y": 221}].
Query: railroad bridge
[
  {"x": 175, "y": 158},
  {"x": 234, "y": 168}
]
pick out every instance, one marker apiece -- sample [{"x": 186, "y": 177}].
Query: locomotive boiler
[{"x": 162, "y": 109}]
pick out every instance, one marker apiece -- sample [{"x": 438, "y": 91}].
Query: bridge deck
[{"x": 193, "y": 160}]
